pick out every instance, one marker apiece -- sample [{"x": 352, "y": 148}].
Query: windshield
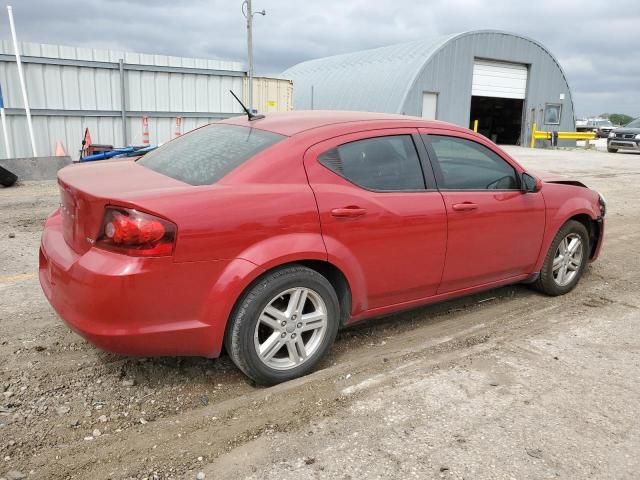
[
  {"x": 604, "y": 123},
  {"x": 205, "y": 155},
  {"x": 634, "y": 124}
]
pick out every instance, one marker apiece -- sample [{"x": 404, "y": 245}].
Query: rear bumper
[{"x": 132, "y": 306}]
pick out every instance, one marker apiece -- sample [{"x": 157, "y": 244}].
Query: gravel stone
[
  {"x": 15, "y": 475},
  {"x": 63, "y": 410}
]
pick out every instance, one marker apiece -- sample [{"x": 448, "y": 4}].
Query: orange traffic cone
[
  {"x": 60, "y": 152},
  {"x": 145, "y": 130}
]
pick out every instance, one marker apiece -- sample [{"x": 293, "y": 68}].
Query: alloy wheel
[
  {"x": 290, "y": 328},
  {"x": 568, "y": 259}
]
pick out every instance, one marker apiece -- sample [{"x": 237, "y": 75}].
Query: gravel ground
[{"x": 504, "y": 384}]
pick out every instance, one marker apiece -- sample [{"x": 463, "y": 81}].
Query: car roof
[{"x": 291, "y": 123}]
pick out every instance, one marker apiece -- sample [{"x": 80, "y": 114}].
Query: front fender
[{"x": 571, "y": 208}]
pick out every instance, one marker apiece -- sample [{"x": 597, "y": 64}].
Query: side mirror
[{"x": 530, "y": 184}]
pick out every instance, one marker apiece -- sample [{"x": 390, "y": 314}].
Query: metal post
[
  {"x": 533, "y": 135},
  {"x": 250, "y": 52},
  {"x": 475, "y": 126},
  {"x": 7, "y": 146},
  {"x": 249, "y": 15},
  {"x": 22, "y": 84},
  {"x": 123, "y": 104}
]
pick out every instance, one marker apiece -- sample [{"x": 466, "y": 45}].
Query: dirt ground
[{"x": 505, "y": 384}]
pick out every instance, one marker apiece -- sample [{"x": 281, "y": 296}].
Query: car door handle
[
  {"x": 348, "y": 212},
  {"x": 464, "y": 207}
]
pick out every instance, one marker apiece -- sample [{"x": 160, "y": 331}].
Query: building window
[{"x": 552, "y": 113}]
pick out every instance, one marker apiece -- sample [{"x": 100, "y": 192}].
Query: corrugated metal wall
[{"x": 73, "y": 88}]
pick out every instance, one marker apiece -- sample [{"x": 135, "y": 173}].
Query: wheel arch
[
  {"x": 593, "y": 228},
  {"x": 338, "y": 281},
  {"x": 578, "y": 209},
  {"x": 246, "y": 274},
  {"x": 331, "y": 272}
]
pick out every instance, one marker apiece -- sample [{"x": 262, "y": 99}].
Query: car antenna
[{"x": 252, "y": 116}]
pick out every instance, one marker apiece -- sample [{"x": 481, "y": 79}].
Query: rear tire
[
  {"x": 283, "y": 325},
  {"x": 7, "y": 178},
  {"x": 566, "y": 260}
]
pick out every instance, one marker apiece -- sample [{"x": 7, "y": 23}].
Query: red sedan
[{"x": 268, "y": 235}]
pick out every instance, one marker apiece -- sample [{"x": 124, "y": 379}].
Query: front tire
[
  {"x": 565, "y": 261},
  {"x": 612, "y": 150},
  {"x": 283, "y": 325}
]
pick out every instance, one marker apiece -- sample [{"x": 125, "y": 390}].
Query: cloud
[{"x": 595, "y": 42}]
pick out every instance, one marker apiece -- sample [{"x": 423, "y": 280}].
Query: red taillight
[{"x": 135, "y": 233}]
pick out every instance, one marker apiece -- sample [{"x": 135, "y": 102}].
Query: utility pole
[{"x": 248, "y": 13}]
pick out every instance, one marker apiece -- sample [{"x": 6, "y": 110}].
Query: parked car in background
[
  {"x": 268, "y": 235},
  {"x": 625, "y": 138},
  {"x": 600, "y": 126},
  {"x": 581, "y": 124}
]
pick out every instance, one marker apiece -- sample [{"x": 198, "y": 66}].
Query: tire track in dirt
[{"x": 443, "y": 341}]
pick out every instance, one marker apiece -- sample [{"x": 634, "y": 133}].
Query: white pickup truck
[{"x": 601, "y": 126}]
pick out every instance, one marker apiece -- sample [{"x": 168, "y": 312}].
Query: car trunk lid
[{"x": 86, "y": 189}]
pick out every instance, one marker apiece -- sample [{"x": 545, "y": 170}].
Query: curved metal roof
[
  {"x": 376, "y": 80},
  {"x": 356, "y": 80}
]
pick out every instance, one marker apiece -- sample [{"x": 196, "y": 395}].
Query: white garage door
[{"x": 499, "y": 79}]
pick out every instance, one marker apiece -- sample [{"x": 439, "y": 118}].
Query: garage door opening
[
  {"x": 498, "y": 93},
  {"x": 499, "y": 119}
]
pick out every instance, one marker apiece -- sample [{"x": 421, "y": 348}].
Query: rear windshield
[{"x": 205, "y": 155}]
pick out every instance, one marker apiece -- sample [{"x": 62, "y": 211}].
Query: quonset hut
[{"x": 503, "y": 80}]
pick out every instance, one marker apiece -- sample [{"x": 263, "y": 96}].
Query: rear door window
[
  {"x": 205, "y": 155},
  {"x": 387, "y": 163}
]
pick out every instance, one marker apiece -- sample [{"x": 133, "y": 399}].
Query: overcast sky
[{"x": 597, "y": 42}]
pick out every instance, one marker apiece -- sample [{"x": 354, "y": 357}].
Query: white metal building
[{"x": 71, "y": 88}]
